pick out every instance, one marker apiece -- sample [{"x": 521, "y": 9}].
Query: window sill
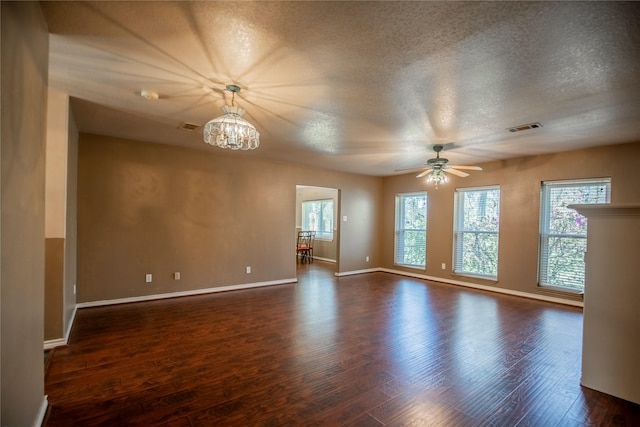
[
  {"x": 413, "y": 267},
  {"x": 492, "y": 279},
  {"x": 561, "y": 290}
]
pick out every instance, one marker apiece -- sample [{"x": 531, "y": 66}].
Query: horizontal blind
[
  {"x": 476, "y": 227},
  {"x": 563, "y": 231},
  {"x": 411, "y": 229}
]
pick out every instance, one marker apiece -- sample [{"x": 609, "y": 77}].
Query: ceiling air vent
[
  {"x": 520, "y": 128},
  {"x": 188, "y": 126}
]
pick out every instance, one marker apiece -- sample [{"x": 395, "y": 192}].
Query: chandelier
[{"x": 230, "y": 130}]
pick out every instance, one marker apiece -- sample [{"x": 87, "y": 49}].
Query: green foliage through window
[
  {"x": 563, "y": 231},
  {"x": 411, "y": 229},
  {"x": 477, "y": 222}
]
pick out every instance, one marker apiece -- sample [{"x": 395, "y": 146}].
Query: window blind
[
  {"x": 411, "y": 229},
  {"x": 563, "y": 231},
  {"x": 476, "y": 227}
]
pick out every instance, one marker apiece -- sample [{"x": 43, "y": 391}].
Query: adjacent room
[{"x": 468, "y": 172}]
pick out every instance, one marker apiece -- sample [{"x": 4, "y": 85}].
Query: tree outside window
[
  {"x": 317, "y": 215},
  {"x": 411, "y": 230},
  {"x": 563, "y": 231},
  {"x": 477, "y": 223}
]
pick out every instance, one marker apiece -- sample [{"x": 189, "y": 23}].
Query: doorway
[{"x": 317, "y": 209}]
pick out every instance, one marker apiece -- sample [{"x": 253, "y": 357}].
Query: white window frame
[
  {"x": 401, "y": 231},
  {"x": 307, "y": 226},
  {"x": 547, "y": 278},
  {"x": 461, "y": 229}
]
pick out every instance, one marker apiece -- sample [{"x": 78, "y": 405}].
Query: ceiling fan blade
[
  {"x": 471, "y": 168},
  {"x": 456, "y": 172},
  {"x": 423, "y": 173}
]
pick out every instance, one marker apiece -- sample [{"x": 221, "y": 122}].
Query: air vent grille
[
  {"x": 188, "y": 126},
  {"x": 528, "y": 126}
]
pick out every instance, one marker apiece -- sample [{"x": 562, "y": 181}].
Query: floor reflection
[
  {"x": 316, "y": 316},
  {"x": 476, "y": 329},
  {"x": 412, "y": 328}
]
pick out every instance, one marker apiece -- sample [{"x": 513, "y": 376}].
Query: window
[
  {"x": 476, "y": 225},
  {"x": 411, "y": 229},
  {"x": 317, "y": 215},
  {"x": 563, "y": 231}
]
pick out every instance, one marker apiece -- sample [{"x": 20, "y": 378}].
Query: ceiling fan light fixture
[
  {"x": 230, "y": 130},
  {"x": 437, "y": 176},
  {"x": 436, "y": 167}
]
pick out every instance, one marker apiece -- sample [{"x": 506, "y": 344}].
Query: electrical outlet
[
  {"x": 248, "y": 270},
  {"x": 149, "y": 278},
  {"x": 176, "y": 275},
  {"x": 367, "y": 259},
  {"x": 74, "y": 288},
  {"x": 444, "y": 266}
]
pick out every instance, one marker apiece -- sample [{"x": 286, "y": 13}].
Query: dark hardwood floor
[{"x": 366, "y": 350}]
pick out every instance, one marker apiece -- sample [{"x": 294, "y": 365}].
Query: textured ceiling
[{"x": 365, "y": 87}]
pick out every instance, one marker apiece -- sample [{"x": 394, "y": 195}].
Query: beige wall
[
  {"x": 54, "y": 288},
  {"x": 149, "y": 208},
  {"x": 519, "y": 181},
  {"x": 24, "y": 100},
  {"x": 60, "y": 217},
  {"x": 56, "y": 164}
]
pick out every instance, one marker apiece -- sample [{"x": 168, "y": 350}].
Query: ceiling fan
[{"x": 439, "y": 165}]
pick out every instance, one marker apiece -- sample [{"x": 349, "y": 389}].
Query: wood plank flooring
[{"x": 367, "y": 350}]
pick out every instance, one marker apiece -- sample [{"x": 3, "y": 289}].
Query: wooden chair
[
  {"x": 312, "y": 237},
  {"x": 304, "y": 246}
]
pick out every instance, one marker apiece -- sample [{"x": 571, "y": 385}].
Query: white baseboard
[
  {"x": 351, "y": 273},
  {"x": 184, "y": 293},
  {"x": 466, "y": 284},
  {"x": 324, "y": 259},
  {"x": 70, "y": 324},
  {"x": 49, "y": 344},
  {"x": 63, "y": 341},
  {"x": 42, "y": 413},
  {"x": 485, "y": 287}
]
